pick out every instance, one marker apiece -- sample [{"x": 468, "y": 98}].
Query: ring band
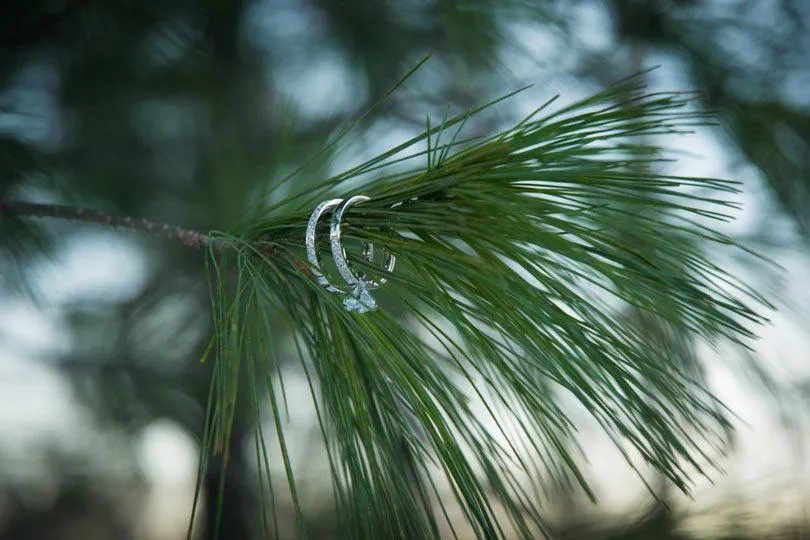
[{"x": 312, "y": 252}]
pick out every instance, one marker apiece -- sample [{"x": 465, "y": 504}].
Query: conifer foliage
[{"x": 517, "y": 256}]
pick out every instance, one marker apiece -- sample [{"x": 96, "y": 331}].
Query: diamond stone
[{"x": 361, "y": 300}]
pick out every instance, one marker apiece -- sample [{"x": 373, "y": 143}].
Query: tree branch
[{"x": 186, "y": 237}]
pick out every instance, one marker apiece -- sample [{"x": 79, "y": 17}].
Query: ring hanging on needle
[
  {"x": 312, "y": 251},
  {"x": 360, "y": 300},
  {"x": 339, "y": 253}
]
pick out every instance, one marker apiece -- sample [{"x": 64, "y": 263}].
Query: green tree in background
[{"x": 189, "y": 113}]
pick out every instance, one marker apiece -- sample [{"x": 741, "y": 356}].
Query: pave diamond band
[{"x": 312, "y": 251}]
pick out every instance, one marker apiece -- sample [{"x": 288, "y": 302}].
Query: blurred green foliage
[{"x": 181, "y": 111}]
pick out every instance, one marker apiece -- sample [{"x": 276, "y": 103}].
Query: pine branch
[
  {"x": 190, "y": 238},
  {"x": 519, "y": 256}
]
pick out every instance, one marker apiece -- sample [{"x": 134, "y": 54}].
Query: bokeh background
[{"x": 177, "y": 111}]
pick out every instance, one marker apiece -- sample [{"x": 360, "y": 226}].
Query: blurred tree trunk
[{"x": 229, "y": 518}]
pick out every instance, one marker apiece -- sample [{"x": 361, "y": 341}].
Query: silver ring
[
  {"x": 339, "y": 253},
  {"x": 312, "y": 252}
]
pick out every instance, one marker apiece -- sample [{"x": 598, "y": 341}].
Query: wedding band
[{"x": 312, "y": 252}]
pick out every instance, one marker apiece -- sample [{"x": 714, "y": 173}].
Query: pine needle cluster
[{"x": 518, "y": 257}]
